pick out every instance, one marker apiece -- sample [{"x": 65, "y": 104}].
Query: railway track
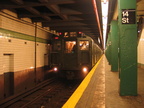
[{"x": 52, "y": 93}]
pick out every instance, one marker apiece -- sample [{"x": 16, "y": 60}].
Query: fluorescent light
[{"x": 104, "y": 5}]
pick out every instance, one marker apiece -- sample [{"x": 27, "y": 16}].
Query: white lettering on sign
[
  {"x": 128, "y": 16},
  {"x": 125, "y": 13},
  {"x": 125, "y": 20},
  {"x": 125, "y": 17}
]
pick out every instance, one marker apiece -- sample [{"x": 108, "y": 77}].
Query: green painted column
[
  {"x": 114, "y": 46},
  {"x": 128, "y": 47},
  {"x": 108, "y": 48}
]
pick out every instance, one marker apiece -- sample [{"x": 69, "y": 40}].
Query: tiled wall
[
  {"x": 11, "y": 23},
  {"x": 17, "y": 38},
  {"x": 19, "y": 53}
]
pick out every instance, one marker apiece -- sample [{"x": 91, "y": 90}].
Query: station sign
[{"x": 128, "y": 16}]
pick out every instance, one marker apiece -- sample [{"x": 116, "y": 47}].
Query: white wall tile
[{"x": 23, "y": 54}]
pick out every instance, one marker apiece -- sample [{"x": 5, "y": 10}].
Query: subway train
[{"x": 73, "y": 54}]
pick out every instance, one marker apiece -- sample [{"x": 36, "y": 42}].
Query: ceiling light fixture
[{"x": 104, "y": 5}]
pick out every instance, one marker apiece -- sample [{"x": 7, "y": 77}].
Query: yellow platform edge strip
[{"x": 72, "y": 101}]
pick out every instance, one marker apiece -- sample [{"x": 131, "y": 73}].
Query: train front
[{"x": 72, "y": 59}]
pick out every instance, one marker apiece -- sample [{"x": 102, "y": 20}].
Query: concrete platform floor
[
  {"x": 103, "y": 90},
  {"x": 112, "y": 98}
]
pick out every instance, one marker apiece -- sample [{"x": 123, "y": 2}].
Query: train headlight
[
  {"x": 85, "y": 69},
  {"x": 55, "y": 69}
]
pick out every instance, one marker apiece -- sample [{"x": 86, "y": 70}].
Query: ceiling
[
  {"x": 140, "y": 8},
  {"x": 67, "y": 15},
  {"x": 113, "y": 12},
  {"x": 60, "y": 15}
]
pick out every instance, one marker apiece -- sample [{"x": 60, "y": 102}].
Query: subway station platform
[{"x": 100, "y": 89}]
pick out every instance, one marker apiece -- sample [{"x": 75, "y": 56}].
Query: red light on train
[
  {"x": 56, "y": 37},
  {"x": 80, "y": 32},
  {"x": 60, "y": 33}
]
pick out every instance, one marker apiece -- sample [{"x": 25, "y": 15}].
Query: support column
[
  {"x": 114, "y": 46},
  {"x": 128, "y": 47},
  {"x": 108, "y": 49}
]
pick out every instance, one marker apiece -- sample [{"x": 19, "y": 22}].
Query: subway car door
[
  {"x": 56, "y": 53},
  {"x": 70, "y": 55},
  {"x": 85, "y": 51}
]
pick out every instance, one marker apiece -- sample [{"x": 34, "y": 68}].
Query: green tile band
[{"x": 13, "y": 34}]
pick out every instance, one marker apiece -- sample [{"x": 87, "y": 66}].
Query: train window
[
  {"x": 66, "y": 34},
  {"x": 84, "y": 45},
  {"x": 70, "y": 46},
  {"x": 57, "y": 46}
]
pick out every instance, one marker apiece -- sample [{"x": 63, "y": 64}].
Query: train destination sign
[{"x": 128, "y": 16}]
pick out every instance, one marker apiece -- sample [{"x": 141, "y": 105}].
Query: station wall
[
  {"x": 23, "y": 46},
  {"x": 140, "y": 49}
]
